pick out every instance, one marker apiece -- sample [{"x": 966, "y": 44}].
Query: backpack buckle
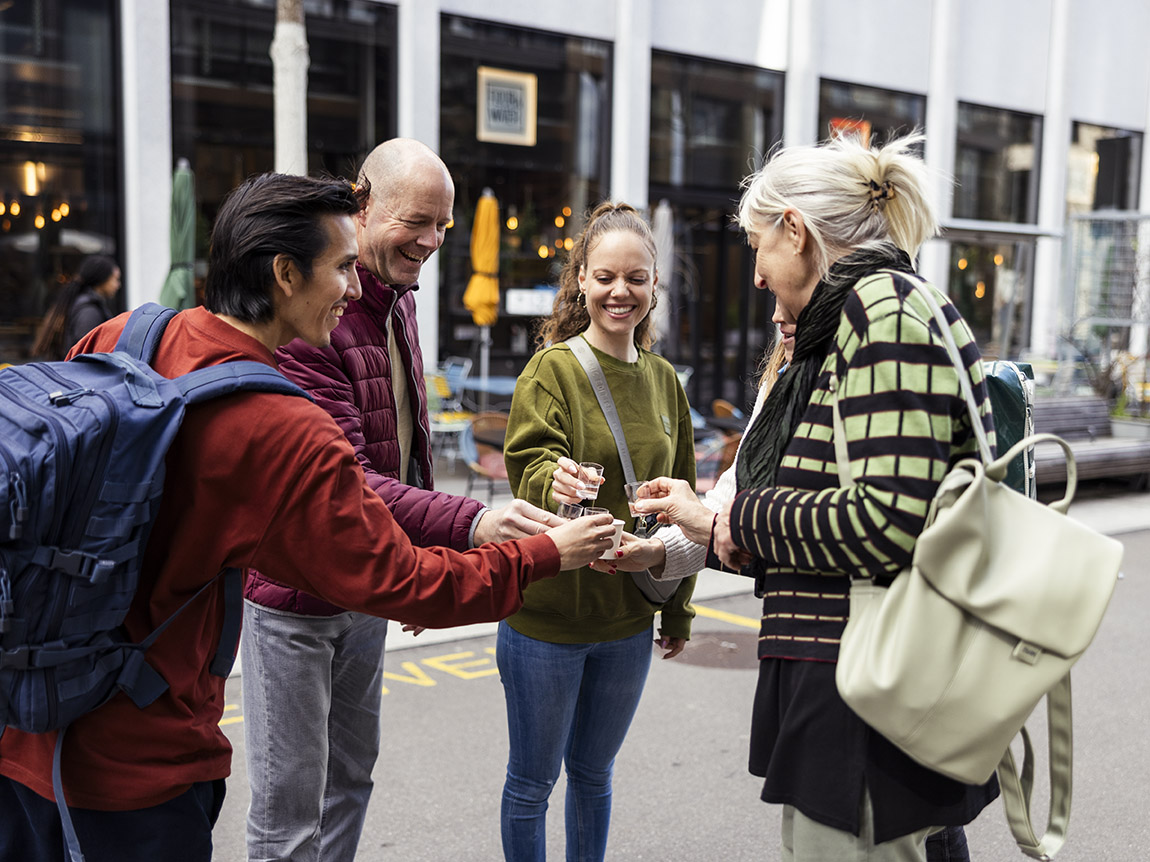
[{"x": 15, "y": 659}]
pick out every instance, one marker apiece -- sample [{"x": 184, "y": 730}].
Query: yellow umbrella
[{"x": 482, "y": 295}]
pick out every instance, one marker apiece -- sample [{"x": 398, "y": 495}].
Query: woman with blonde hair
[
  {"x": 574, "y": 660},
  {"x": 833, "y": 229}
]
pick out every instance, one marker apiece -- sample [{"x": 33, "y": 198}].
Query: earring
[
  {"x": 654, "y": 301},
  {"x": 581, "y": 299}
]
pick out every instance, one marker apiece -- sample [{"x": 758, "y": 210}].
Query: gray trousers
[{"x": 312, "y": 689}]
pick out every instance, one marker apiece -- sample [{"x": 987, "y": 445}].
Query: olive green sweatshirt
[{"x": 555, "y": 413}]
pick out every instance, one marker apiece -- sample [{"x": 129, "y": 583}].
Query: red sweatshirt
[{"x": 263, "y": 481}]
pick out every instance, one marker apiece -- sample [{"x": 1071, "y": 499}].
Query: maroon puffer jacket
[{"x": 351, "y": 380}]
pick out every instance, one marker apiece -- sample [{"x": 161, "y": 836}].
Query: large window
[
  {"x": 875, "y": 115},
  {"x": 543, "y": 188},
  {"x": 59, "y": 156},
  {"x": 222, "y": 100},
  {"x": 996, "y": 165},
  {"x": 990, "y": 285},
  {"x": 712, "y": 123},
  {"x": 1103, "y": 169}
]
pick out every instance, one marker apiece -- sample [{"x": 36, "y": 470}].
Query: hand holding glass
[{"x": 591, "y": 474}]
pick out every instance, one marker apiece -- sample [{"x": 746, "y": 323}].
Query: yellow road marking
[
  {"x": 450, "y": 663},
  {"x": 736, "y": 619}
]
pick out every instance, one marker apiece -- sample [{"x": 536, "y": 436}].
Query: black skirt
[{"x": 814, "y": 753}]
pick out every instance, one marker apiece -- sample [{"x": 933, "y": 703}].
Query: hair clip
[{"x": 880, "y": 193}]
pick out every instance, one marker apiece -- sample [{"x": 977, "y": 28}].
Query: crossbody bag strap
[{"x": 586, "y": 357}]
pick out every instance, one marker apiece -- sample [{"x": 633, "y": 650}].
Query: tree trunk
[{"x": 289, "y": 73}]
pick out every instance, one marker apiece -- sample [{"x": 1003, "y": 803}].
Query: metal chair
[
  {"x": 724, "y": 409},
  {"x": 481, "y": 445},
  {"x": 454, "y": 370}
]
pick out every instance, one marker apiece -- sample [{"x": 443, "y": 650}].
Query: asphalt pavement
[{"x": 682, "y": 790}]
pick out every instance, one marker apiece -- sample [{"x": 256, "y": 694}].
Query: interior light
[
  {"x": 559, "y": 243},
  {"x": 962, "y": 263},
  {"x": 998, "y": 259},
  {"x": 543, "y": 250},
  {"x": 15, "y": 208},
  {"x": 559, "y": 222},
  {"x": 512, "y": 223},
  {"x": 568, "y": 243},
  {"x": 65, "y": 209},
  {"x": 3, "y": 209},
  {"x": 39, "y": 221},
  {"x": 31, "y": 180},
  {"x": 56, "y": 215},
  {"x": 980, "y": 290},
  {"x": 567, "y": 211}
]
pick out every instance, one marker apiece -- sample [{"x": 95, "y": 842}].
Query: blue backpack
[{"x": 82, "y": 450}]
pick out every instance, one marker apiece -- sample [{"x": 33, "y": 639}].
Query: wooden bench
[{"x": 1084, "y": 423}]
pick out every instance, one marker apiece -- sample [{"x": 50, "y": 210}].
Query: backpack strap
[
  {"x": 144, "y": 329},
  {"x": 242, "y": 375}
]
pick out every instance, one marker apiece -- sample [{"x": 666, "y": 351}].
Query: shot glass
[
  {"x": 569, "y": 510},
  {"x": 590, "y": 473},
  {"x": 594, "y": 510},
  {"x": 632, "y": 489},
  {"x": 609, "y": 554}
]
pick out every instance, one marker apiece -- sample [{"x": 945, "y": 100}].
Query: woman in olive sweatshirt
[{"x": 574, "y": 659}]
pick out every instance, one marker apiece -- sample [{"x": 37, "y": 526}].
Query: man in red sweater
[{"x": 253, "y": 481}]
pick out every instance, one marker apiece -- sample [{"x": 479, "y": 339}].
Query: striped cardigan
[{"x": 906, "y": 423}]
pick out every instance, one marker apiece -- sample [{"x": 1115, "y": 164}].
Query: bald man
[{"x": 313, "y": 672}]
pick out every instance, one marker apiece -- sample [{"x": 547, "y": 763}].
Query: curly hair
[{"x": 569, "y": 317}]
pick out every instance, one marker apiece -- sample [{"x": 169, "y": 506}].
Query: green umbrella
[{"x": 179, "y": 290}]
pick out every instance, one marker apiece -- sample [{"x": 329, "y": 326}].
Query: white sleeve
[{"x": 684, "y": 557}]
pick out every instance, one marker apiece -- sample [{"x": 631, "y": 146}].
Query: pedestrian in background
[
  {"x": 81, "y": 305},
  {"x": 574, "y": 660},
  {"x": 313, "y": 672}
]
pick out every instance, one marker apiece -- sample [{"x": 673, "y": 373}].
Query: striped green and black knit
[{"x": 905, "y": 423}]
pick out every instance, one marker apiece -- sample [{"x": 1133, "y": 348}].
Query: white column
[
  {"x": 631, "y": 103},
  {"x": 418, "y": 109},
  {"x": 941, "y": 131},
  {"x": 801, "y": 86},
  {"x": 147, "y": 148},
  {"x": 1138, "y": 332},
  {"x": 290, "y": 61},
  {"x": 1045, "y": 316}
]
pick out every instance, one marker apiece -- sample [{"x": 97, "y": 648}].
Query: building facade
[{"x": 1037, "y": 109}]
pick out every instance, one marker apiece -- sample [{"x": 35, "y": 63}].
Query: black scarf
[{"x": 767, "y": 439}]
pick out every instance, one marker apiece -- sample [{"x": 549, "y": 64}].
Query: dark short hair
[{"x": 269, "y": 215}]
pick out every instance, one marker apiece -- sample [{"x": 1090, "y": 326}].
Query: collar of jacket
[{"x": 377, "y": 295}]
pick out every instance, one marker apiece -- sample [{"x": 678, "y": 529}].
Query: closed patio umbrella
[
  {"x": 482, "y": 295},
  {"x": 179, "y": 290}
]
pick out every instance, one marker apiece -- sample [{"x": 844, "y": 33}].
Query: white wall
[
  {"x": 589, "y": 18},
  {"x": 147, "y": 148},
  {"x": 752, "y": 32},
  {"x": 1109, "y": 64},
  {"x": 1002, "y": 52},
  {"x": 883, "y": 44}
]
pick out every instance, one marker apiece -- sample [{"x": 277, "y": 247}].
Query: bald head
[
  {"x": 392, "y": 165},
  {"x": 408, "y": 211}
]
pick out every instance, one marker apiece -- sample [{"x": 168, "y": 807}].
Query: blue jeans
[
  {"x": 566, "y": 703},
  {"x": 949, "y": 845},
  {"x": 179, "y": 830},
  {"x": 312, "y": 692}
]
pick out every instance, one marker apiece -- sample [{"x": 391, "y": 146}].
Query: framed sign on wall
[{"x": 505, "y": 112}]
